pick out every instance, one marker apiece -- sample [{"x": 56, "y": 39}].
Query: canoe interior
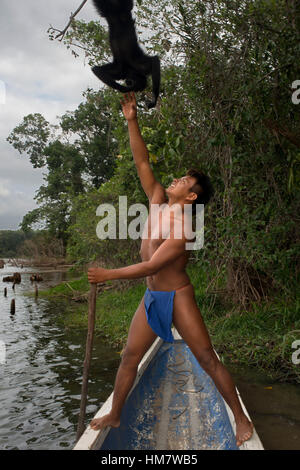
[{"x": 175, "y": 406}]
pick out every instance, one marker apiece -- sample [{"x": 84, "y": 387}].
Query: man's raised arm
[{"x": 138, "y": 147}]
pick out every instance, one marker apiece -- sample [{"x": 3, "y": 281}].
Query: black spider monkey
[{"x": 130, "y": 63}]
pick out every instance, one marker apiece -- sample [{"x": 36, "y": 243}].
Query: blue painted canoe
[{"x": 173, "y": 405}]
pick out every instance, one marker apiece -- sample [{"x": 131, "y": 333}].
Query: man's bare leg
[
  {"x": 190, "y": 325},
  {"x": 140, "y": 338}
]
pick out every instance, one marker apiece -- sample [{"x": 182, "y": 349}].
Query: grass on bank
[{"x": 261, "y": 338}]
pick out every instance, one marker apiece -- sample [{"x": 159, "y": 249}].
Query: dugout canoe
[{"x": 173, "y": 405}]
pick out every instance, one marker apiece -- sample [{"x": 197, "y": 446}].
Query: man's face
[{"x": 180, "y": 187}]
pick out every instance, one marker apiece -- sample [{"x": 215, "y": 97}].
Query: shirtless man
[{"x": 163, "y": 264}]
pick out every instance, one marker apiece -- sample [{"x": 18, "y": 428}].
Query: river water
[{"x": 40, "y": 380}]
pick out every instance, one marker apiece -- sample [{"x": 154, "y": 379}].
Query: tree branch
[
  {"x": 277, "y": 128},
  {"x": 63, "y": 32}
]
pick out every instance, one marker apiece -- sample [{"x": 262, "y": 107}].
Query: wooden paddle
[{"x": 87, "y": 360}]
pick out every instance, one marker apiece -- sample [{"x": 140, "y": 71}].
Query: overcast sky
[{"x": 39, "y": 76}]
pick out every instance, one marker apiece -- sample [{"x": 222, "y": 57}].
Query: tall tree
[
  {"x": 226, "y": 108},
  {"x": 77, "y": 153}
]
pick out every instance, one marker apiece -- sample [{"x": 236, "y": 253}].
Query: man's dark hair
[{"x": 202, "y": 187}]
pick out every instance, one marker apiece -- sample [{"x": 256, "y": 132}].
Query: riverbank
[
  {"x": 261, "y": 338},
  {"x": 38, "y": 262}
]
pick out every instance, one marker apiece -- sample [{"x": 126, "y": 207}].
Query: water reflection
[
  {"x": 274, "y": 408},
  {"x": 41, "y": 379}
]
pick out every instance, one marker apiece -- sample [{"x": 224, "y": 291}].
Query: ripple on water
[{"x": 41, "y": 379}]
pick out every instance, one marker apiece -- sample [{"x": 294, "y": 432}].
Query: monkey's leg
[
  {"x": 155, "y": 81},
  {"x": 108, "y": 74}
]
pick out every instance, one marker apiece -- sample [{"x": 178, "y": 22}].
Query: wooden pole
[
  {"x": 87, "y": 360},
  {"x": 12, "y": 307}
]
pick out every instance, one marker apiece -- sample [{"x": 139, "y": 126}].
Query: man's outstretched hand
[{"x": 129, "y": 107}]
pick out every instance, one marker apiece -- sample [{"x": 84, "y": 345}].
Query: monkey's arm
[
  {"x": 108, "y": 74},
  {"x": 155, "y": 81}
]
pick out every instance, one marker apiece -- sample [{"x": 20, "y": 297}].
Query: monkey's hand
[
  {"x": 129, "y": 107},
  {"x": 150, "y": 104}
]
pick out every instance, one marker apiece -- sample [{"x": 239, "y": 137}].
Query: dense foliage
[
  {"x": 226, "y": 107},
  {"x": 38, "y": 245},
  {"x": 10, "y": 242}
]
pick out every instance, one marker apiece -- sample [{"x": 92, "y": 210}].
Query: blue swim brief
[{"x": 159, "y": 312}]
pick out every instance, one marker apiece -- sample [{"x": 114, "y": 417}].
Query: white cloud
[
  {"x": 14, "y": 203},
  {"x": 4, "y": 191}
]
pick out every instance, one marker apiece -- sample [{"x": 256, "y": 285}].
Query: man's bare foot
[
  {"x": 244, "y": 430},
  {"x": 104, "y": 421}
]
